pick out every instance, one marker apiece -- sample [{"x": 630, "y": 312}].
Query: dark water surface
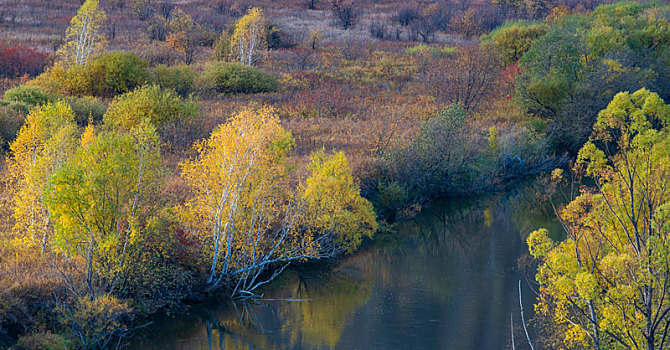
[{"x": 447, "y": 279}]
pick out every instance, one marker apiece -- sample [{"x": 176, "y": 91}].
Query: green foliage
[
  {"x": 333, "y": 202},
  {"x": 111, "y": 74},
  {"x": 86, "y": 109},
  {"x": 181, "y": 79},
  {"x": 170, "y": 113},
  {"x": 570, "y": 74},
  {"x": 433, "y": 51},
  {"x": 100, "y": 200},
  {"x": 43, "y": 341},
  {"x": 513, "y": 39},
  {"x": 24, "y": 98},
  {"x": 228, "y": 77},
  {"x": 116, "y": 72}
]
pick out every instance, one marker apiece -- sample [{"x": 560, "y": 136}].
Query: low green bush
[
  {"x": 229, "y": 77},
  {"x": 181, "y": 79},
  {"x": 111, "y": 74},
  {"x": 87, "y": 109}
]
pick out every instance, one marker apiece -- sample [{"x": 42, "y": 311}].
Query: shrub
[
  {"x": 513, "y": 39},
  {"x": 43, "y": 341},
  {"x": 17, "y": 60},
  {"x": 97, "y": 321},
  {"x": 111, "y": 74},
  {"x": 425, "y": 50},
  {"x": 227, "y": 77},
  {"x": 181, "y": 79},
  {"x": 87, "y": 109},
  {"x": 172, "y": 115},
  {"x": 116, "y": 73},
  {"x": 25, "y": 97},
  {"x": 11, "y": 121}
]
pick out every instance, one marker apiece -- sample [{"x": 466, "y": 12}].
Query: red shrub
[{"x": 17, "y": 60}]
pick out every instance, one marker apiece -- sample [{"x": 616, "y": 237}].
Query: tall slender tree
[{"x": 84, "y": 36}]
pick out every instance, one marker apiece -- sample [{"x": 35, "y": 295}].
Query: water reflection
[{"x": 446, "y": 280}]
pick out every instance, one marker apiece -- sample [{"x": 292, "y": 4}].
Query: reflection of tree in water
[
  {"x": 307, "y": 308},
  {"x": 445, "y": 279}
]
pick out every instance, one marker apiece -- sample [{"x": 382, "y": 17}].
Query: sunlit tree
[
  {"x": 84, "y": 36},
  {"x": 249, "y": 37},
  {"x": 238, "y": 184},
  {"x": 42, "y": 146},
  {"x": 101, "y": 200},
  {"x": 607, "y": 286}
]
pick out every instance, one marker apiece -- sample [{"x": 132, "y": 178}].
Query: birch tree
[
  {"x": 41, "y": 148},
  {"x": 84, "y": 36},
  {"x": 101, "y": 200},
  {"x": 248, "y": 38}
]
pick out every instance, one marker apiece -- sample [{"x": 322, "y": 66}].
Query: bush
[
  {"x": 24, "y": 97},
  {"x": 425, "y": 50},
  {"x": 97, "y": 321},
  {"x": 181, "y": 79},
  {"x": 227, "y": 77},
  {"x": 43, "y": 341},
  {"x": 116, "y": 73},
  {"x": 173, "y": 116},
  {"x": 11, "y": 121},
  {"x": 17, "y": 60},
  {"x": 513, "y": 39},
  {"x": 87, "y": 109},
  {"x": 112, "y": 74}
]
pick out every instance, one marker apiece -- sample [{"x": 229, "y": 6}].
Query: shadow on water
[{"x": 447, "y": 279}]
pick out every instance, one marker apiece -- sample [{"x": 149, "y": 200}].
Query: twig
[{"x": 523, "y": 320}]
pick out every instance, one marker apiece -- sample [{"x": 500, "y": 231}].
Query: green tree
[
  {"x": 514, "y": 39},
  {"x": 164, "y": 109},
  {"x": 101, "y": 200},
  {"x": 84, "y": 36},
  {"x": 607, "y": 285}
]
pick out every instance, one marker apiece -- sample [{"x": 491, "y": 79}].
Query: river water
[{"x": 446, "y": 279}]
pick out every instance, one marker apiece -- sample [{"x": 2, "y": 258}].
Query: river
[{"x": 446, "y": 279}]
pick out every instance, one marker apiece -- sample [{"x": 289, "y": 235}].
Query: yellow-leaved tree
[
  {"x": 84, "y": 36},
  {"x": 101, "y": 200},
  {"x": 244, "y": 214},
  {"x": 42, "y": 147},
  {"x": 333, "y": 206},
  {"x": 240, "y": 197},
  {"x": 248, "y": 38},
  {"x": 607, "y": 286}
]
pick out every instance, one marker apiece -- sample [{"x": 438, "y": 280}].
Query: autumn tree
[
  {"x": 249, "y": 37},
  {"x": 42, "y": 147},
  {"x": 101, "y": 200},
  {"x": 239, "y": 195},
  {"x": 84, "y": 36},
  {"x": 607, "y": 286},
  {"x": 333, "y": 206},
  {"x": 183, "y": 35}
]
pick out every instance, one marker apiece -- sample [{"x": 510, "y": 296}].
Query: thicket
[
  {"x": 570, "y": 74},
  {"x": 233, "y": 77}
]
